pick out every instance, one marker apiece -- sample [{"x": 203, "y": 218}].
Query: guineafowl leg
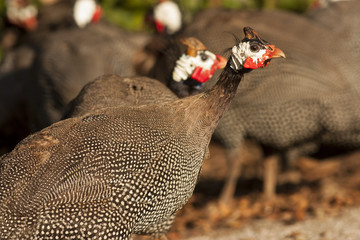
[
  {"x": 270, "y": 175},
  {"x": 234, "y": 169}
]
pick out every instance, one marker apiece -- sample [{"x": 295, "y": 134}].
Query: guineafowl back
[
  {"x": 342, "y": 19},
  {"x": 113, "y": 90},
  {"x": 121, "y": 169}
]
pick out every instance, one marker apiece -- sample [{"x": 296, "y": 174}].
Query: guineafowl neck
[
  {"x": 208, "y": 107},
  {"x": 219, "y": 97}
]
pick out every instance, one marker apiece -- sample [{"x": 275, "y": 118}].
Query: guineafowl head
[
  {"x": 86, "y": 12},
  {"x": 166, "y": 17},
  {"x": 197, "y": 63},
  {"x": 252, "y": 52},
  {"x": 22, "y": 14}
]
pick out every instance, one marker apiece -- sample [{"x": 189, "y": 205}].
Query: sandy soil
[{"x": 343, "y": 226}]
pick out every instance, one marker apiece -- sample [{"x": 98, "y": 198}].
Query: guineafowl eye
[
  {"x": 204, "y": 57},
  {"x": 254, "y": 48}
]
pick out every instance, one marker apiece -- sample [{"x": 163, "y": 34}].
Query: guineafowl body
[
  {"x": 71, "y": 58},
  {"x": 19, "y": 72},
  {"x": 119, "y": 171},
  {"x": 310, "y": 95},
  {"x": 341, "y": 18},
  {"x": 14, "y": 73}
]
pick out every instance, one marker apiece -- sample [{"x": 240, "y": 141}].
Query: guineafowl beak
[
  {"x": 275, "y": 52},
  {"x": 220, "y": 61}
]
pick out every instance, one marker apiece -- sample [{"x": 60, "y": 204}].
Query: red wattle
[
  {"x": 97, "y": 14},
  {"x": 201, "y": 75},
  {"x": 30, "y": 24},
  {"x": 249, "y": 63},
  {"x": 159, "y": 27}
]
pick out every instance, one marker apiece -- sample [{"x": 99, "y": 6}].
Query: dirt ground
[{"x": 318, "y": 199}]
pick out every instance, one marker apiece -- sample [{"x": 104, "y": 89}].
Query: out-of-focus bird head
[
  {"x": 197, "y": 63},
  {"x": 22, "y": 13},
  {"x": 253, "y": 52},
  {"x": 86, "y": 12},
  {"x": 167, "y": 17}
]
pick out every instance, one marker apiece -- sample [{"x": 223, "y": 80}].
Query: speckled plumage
[
  {"x": 310, "y": 100},
  {"x": 116, "y": 166},
  {"x": 114, "y": 90},
  {"x": 108, "y": 158},
  {"x": 109, "y": 174},
  {"x": 311, "y": 77},
  {"x": 342, "y": 19},
  {"x": 123, "y": 170}
]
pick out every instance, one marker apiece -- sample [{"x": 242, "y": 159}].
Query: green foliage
[
  {"x": 130, "y": 13},
  {"x": 294, "y": 5},
  {"x": 236, "y": 4},
  {"x": 2, "y": 13}
]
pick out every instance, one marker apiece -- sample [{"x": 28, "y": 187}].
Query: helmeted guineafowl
[
  {"x": 122, "y": 170},
  {"x": 194, "y": 65},
  {"x": 165, "y": 17},
  {"x": 287, "y": 113}
]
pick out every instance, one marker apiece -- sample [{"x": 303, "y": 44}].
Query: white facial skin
[
  {"x": 168, "y": 13},
  {"x": 187, "y": 64},
  {"x": 243, "y": 51},
  {"x": 84, "y": 11},
  {"x": 20, "y": 13}
]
